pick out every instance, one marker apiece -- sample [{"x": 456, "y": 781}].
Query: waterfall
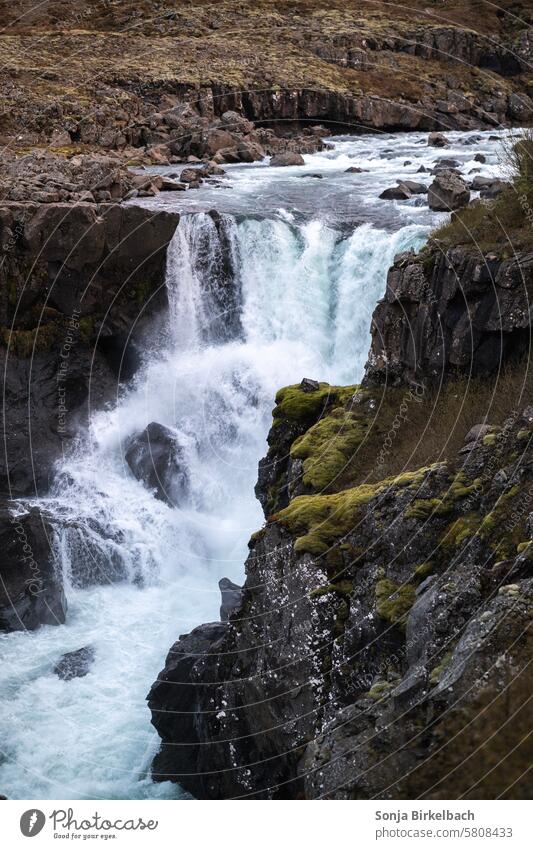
[
  {"x": 254, "y": 304},
  {"x": 203, "y": 280}
]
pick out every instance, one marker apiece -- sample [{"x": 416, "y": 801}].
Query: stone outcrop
[
  {"x": 79, "y": 288},
  {"x": 376, "y": 623},
  {"x": 75, "y": 664},
  {"x": 31, "y": 591},
  {"x": 450, "y": 311}
]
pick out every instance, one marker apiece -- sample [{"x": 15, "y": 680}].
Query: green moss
[
  {"x": 523, "y": 434},
  {"x": 463, "y": 527},
  {"x": 424, "y": 508},
  {"x": 295, "y": 404},
  {"x": 86, "y": 328},
  {"x": 24, "y": 343},
  {"x": 318, "y": 520},
  {"x": 327, "y": 447},
  {"x": 437, "y": 671},
  {"x": 424, "y": 569},
  {"x": 524, "y": 546},
  {"x": 394, "y": 601},
  {"x": 493, "y": 521},
  {"x": 343, "y": 588},
  {"x": 255, "y": 537},
  {"x": 380, "y": 690},
  {"x": 490, "y": 439}
]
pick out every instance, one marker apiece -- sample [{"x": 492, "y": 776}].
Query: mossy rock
[
  {"x": 461, "y": 529},
  {"x": 394, "y": 601},
  {"x": 380, "y": 690},
  {"x": 342, "y": 588},
  {"x": 437, "y": 672},
  {"x": 295, "y": 404},
  {"x": 424, "y": 569},
  {"x": 328, "y": 446},
  {"x": 318, "y": 520}
]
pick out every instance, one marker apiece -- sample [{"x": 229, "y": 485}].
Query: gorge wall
[
  {"x": 381, "y": 646},
  {"x": 81, "y": 289}
]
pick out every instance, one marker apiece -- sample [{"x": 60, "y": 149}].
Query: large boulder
[
  {"x": 250, "y": 151},
  {"x": 285, "y": 159},
  {"x": 448, "y": 191},
  {"x": 155, "y": 458},
  {"x": 414, "y": 187},
  {"x": 31, "y": 590},
  {"x": 235, "y": 123},
  {"x": 218, "y": 140}
]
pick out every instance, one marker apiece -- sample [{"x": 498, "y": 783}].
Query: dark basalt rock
[
  {"x": 335, "y": 661},
  {"x": 399, "y": 192},
  {"x": 75, "y": 664},
  {"x": 155, "y": 458},
  {"x": 31, "y": 591},
  {"x": 449, "y": 312},
  {"x": 175, "y": 693},
  {"x": 80, "y": 288},
  {"x": 231, "y": 598},
  {"x": 309, "y": 385}
]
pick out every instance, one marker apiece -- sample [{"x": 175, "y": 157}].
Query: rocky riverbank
[{"x": 162, "y": 82}]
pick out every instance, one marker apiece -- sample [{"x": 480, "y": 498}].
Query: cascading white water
[{"x": 304, "y": 298}]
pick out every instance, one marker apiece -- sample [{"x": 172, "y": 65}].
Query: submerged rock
[
  {"x": 75, "y": 664},
  {"x": 155, "y": 458},
  {"x": 285, "y": 159}
]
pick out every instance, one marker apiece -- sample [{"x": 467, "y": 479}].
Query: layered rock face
[
  {"x": 449, "y": 311},
  {"x": 80, "y": 285}
]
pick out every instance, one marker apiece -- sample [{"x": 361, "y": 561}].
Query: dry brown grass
[{"x": 435, "y": 428}]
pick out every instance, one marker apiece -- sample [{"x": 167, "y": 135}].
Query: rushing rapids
[{"x": 254, "y": 304}]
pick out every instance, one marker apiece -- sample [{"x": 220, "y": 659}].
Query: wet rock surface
[
  {"x": 81, "y": 286},
  {"x": 447, "y": 312},
  {"x": 155, "y": 458},
  {"x": 31, "y": 592},
  {"x": 75, "y": 664}
]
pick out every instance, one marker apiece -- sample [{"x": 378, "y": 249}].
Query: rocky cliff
[
  {"x": 80, "y": 287},
  {"x": 381, "y": 646}
]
